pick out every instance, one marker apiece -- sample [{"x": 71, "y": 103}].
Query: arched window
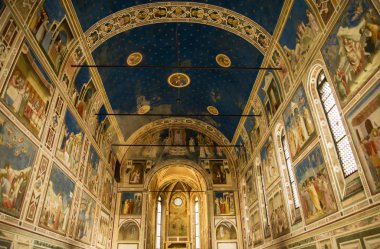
[
  {"x": 289, "y": 168},
  {"x": 197, "y": 231},
  {"x": 158, "y": 226},
  {"x": 342, "y": 145}
]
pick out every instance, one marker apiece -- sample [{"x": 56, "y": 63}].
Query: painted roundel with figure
[
  {"x": 179, "y": 80},
  {"x": 223, "y": 60},
  {"x": 134, "y": 59}
]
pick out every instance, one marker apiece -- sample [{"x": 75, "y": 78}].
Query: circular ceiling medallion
[
  {"x": 223, "y": 60},
  {"x": 179, "y": 80},
  {"x": 134, "y": 59},
  {"x": 143, "y": 109},
  {"x": 212, "y": 110}
]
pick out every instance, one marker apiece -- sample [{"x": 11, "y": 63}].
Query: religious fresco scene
[
  {"x": 92, "y": 177},
  {"x": 58, "y": 201},
  {"x": 82, "y": 92},
  {"x": 364, "y": 122},
  {"x": 176, "y": 143},
  {"x": 28, "y": 91},
  {"x": 299, "y": 33},
  {"x": 270, "y": 171},
  {"x": 86, "y": 218},
  {"x": 352, "y": 49},
  {"x": 131, "y": 203},
  {"x": 226, "y": 231},
  {"x": 70, "y": 143},
  {"x": 18, "y": 154},
  {"x": 147, "y": 124},
  {"x": 52, "y": 31},
  {"x": 299, "y": 124},
  {"x": 315, "y": 191},
  {"x": 277, "y": 215}
]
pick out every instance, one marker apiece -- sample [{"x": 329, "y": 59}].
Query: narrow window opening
[
  {"x": 289, "y": 168},
  {"x": 197, "y": 231},
  {"x": 342, "y": 145},
  {"x": 158, "y": 226}
]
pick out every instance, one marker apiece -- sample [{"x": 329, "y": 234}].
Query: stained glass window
[
  {"x": 289, "y": 168},
  {"x": 342, "y": 145}
]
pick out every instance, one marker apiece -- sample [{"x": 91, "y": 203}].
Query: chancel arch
[{"x": 177, "y": 208}]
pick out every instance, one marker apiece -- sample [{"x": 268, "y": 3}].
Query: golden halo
[
  {"x": 179, "y": 80},
  {"x": 212, "y": 110},
  {"x": 143, "y": 109},
  {"x": 134, "y": 59},
  {"x": 223, "y": 60}
]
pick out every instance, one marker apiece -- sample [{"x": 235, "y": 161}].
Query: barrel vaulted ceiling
[
  {"x": 249, "y": 34},
  {"x": 184, "y": 43}
]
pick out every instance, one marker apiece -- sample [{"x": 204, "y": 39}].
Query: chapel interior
[{"x": 205, "y": 124}]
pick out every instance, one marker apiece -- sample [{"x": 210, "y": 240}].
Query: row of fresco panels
[
  {"x": 314, "y": 187},
  {"x": 351, "y": 51},
  {"x": 131, "y": 203},
  {"x": 19, "y": 155}
]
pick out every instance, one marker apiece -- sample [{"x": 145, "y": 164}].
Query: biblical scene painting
[
  {"x": 129, "y": 231},
  {"x": 106, "y": 196},
  {"x": 269, "y": 165},
  {"x": 253, "y": 128},
  {"x": 52, "y": 31},
  {"x": 192, "y": 145},
  {"x": 136, "y": 175},
  {"x": 131, "y": 203},
  {"x": 299, "y": 125},
  {"x": 91, "y": 176},
  {"x": 57, "y": 205},
  {"x": 224, "y": 203},
  {"x": 255, "y": 230},
  {"x": 85, "y": 218},
  {"x": 277, "y": 215},
  {"x": 16, "y": 161},
  {"x": 270, "y": 94},
  {"x": 219, "y": 174},
  {"x": 103, "y": 229},
  {"x": 82, "y": 92},
  {"x": 352, "y": 51},
  {"x": 250, "y": 183},
  {"x": 314, "y": 188},
  {"x": 70, "y": 143},
  {"x": 28, "y": 92},
  {"x": 226, "y": 231},
  {"x": 299, "y": 34},
  {"x": 364, "y": 123}
]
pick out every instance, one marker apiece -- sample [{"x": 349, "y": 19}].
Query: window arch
[{"x": 334, "y": 120}]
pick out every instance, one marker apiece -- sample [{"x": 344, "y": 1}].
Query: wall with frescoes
[
  {"x": 56, "y": 171},
  {"x": 312, "y": 177}
]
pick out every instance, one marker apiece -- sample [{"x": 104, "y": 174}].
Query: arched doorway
[{"x": 177, "y": 215}]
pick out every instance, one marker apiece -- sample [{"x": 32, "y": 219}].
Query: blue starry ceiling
[
  {"x": 265, "y": 13},
  {"x": 198, "y": 46}
]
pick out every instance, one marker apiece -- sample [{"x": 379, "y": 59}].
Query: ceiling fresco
[
  {"x": 265, "y": 13},
  {"x": 198, "y": 45}
]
